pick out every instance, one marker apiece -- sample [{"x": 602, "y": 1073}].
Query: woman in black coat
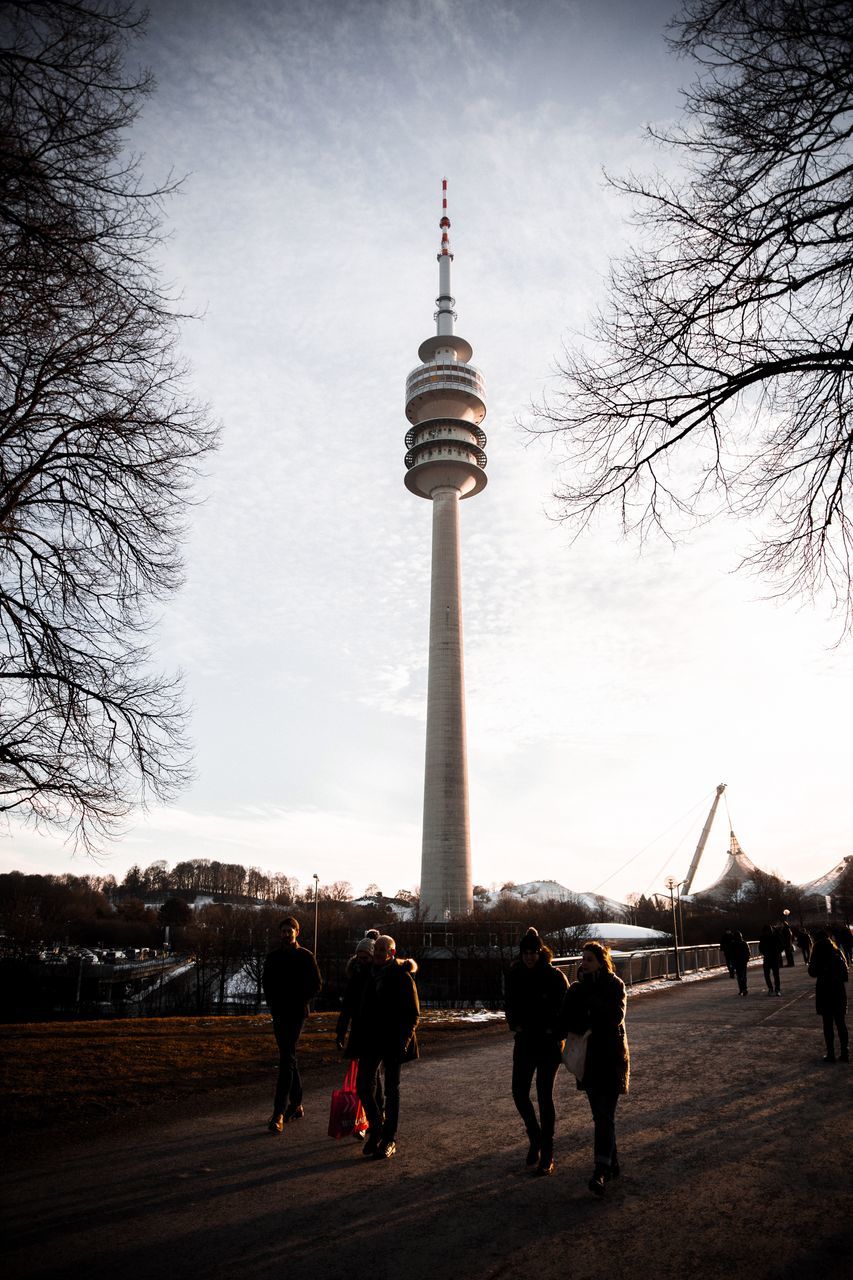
[
  {"x": 829, "y": 967},
  {"x": 534, "y": 997},
  {"x": 596, "y": 1004},
  {"x": 359, "y": 973}
]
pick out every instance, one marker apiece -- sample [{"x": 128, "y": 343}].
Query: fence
[{"x": 645, "y": 966}]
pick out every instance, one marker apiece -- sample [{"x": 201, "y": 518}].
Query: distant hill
[{"x": 553, "y": 891}]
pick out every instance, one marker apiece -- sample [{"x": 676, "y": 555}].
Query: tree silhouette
[
  {"x": 98, "y": 441},
  {"x": 719, "y": 369}
]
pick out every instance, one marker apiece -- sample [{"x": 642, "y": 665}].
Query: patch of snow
[
  {"x": 615, "y": 929},
  {"x": 666, "y": 984}
]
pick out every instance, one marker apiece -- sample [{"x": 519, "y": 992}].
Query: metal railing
[{"x": 634, "y": 967}]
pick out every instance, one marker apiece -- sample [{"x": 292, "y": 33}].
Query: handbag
[
  {"x": 574, "y": 1053},
  {"x": 346, "y": 1114}
]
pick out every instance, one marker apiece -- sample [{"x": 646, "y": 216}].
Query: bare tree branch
[
  {"x": 721, "y": 363},
  {"x": 98, "y": 439}
]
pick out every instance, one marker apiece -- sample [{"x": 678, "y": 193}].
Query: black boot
[
  {"x": 371, "y": 1143},
  {"x": 534, "y": 1149},
  {"x": 545, "y": 1166},
  {"x": 598, "y": 1182}
]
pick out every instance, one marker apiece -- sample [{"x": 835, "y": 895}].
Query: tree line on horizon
[{"x": 93, "y": 909}]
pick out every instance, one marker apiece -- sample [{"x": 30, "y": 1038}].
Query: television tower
[{"x": 445, "y": 403}]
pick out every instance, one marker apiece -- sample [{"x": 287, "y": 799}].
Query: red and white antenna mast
[{"x": 445, "y": 315}]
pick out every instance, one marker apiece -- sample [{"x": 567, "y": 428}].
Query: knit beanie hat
[
  {"x": 531, "y": 941},
  {"x": 366, "y": 944}
]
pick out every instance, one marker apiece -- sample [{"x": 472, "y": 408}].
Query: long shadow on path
[{"x": 735, "y": 1141}]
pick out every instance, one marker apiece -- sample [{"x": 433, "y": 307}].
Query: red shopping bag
[{"x": 346, "y": 1114}]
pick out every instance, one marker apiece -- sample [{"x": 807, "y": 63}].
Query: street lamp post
[
  {"x": 672, "y": 885},
  {"x": 316, "y": 907},
  {"x": 678, "y": 889}
]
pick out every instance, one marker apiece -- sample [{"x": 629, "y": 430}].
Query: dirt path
[{"x": 735, "y": 1144}]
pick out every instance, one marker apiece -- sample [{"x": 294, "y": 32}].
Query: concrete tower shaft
[
  {"x": 445, "y": 461},
  {"x": 446, "y": 884}
]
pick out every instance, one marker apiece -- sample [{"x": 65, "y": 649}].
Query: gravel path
[{"x": 735, "y": 1143}]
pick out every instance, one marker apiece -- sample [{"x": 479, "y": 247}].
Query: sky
[{"x": 610, "y": 688}]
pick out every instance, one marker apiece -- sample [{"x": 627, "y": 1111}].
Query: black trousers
[
  {"x": 840, "y": 1023},
  {"x": 771, "y": 968},
  {"x": 288, "y": 1089},
  {"x": 368, "y": 1086},
  {"x": 542, "y": 1059},
  {"x": 603, "y": 1105}
]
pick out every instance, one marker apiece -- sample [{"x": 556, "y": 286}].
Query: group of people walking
[
  {"x": 827, "y": 956},
  {"x": 543, "y": 1009},
  {"x": 377, "y": 1027},
  {"x": 380, "y": 1013},
  {"x": 378, "y": 1021}
]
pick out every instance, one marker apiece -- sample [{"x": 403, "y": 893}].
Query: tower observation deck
[{"x": 445, "y": 461}]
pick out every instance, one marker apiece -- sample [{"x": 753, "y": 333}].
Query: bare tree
[
  {"x": 720, "y": 367},
  {"x": 339, "y": 891},
  {"x": 98, "y": 442}
]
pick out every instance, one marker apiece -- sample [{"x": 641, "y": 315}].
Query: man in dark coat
[
  {"x": 290, "y": 980},
  {"x": 726, "y": 948},
  {"x": 383, "y": 1035},
  {"x": 770, "y": 950},
  {"x": 786, "y": 939},
  {"x": 535, "y": 991}
]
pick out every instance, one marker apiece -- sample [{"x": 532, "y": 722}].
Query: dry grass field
[{"x": 72, "y": 1073}]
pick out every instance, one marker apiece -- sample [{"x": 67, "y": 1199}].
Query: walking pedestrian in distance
[
  {"x": 290, "y": 981},
  {"x": 596, "y": 1003},
  {"x": 786, "y": 939},
  {"x": 726, "y": 948},
  {"x": 829, "y": 967},
  {"x": 535, "y": 991},
  {"x": 804, "y": 942},
  {"x": 739, "y": 952},
  {"x": 383, "y": 1035},
  {"x": 770, "y": 950}
]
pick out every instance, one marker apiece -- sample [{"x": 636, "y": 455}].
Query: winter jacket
[
  {"x": 770, "y": 946},
  {"x": 738, "y": 953},
  {"x": 829, "y": 967},
  {"x": 534, "y": 998},
  {"x": 290, "y": 979},
  {"x": 384, "y": 1026},
  {"x": 358, "y": 975},
  {"x": 596, "y": 1003},
  {"x": 726, "y": 944}
]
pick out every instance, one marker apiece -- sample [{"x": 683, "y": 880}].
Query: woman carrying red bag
[{"x": 359, "y": 973}]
